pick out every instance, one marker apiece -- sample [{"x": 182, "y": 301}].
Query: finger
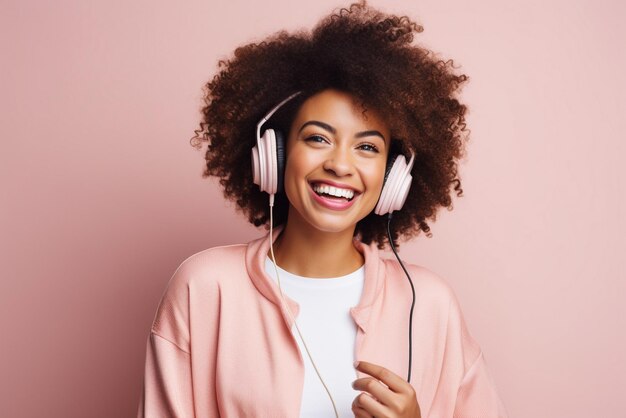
[
  {"x": 361, "y": 413},
  {"x": 375, "y": 388},
  {"x": 358, "y": 411},
  {"x": 389, "y": 378},
  {"x": 371, "y": 405}
]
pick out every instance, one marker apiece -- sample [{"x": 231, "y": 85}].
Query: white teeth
[{"x": 334, "y": 191}]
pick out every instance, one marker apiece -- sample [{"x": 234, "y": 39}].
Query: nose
[{"x": 340, "y": 162}]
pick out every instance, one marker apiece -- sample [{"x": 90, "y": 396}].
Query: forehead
[{"x": 340, "y": 110}]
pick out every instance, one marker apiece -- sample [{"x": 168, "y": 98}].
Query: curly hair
[{"x": 371, "y": 56}]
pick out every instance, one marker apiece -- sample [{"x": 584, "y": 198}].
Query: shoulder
[
  {"x": 435, "y": 294},
  {"x": 427, "y": 283},
  {"x": 203, "y": 271},
  {"x": 197, "y": 277},
  {"x": 211, "y": 262},
  {"x": 432, "y": 290}
]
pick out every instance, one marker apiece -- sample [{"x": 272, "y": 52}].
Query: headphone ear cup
[
  {"x": 396, "y": 185},
  {"x": 388, "y": 169},
  {"x": 384, "y": 194},
  {"x": 280, "y": 160},
  {"x": 264, "y": 164}
]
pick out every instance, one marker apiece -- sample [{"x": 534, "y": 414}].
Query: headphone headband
[{"x": 271, "y": 112}]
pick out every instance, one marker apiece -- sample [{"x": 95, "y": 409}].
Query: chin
[
  {"x": 334, "y": 229},
  {"x": 332, "y": 225}
]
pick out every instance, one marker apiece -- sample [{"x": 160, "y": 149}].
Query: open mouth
[{"x": 333, "y": 193}]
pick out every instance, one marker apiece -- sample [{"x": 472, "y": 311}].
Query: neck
[{"x": 303, "y": 250}]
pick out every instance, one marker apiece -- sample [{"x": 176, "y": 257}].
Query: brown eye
[
  {"x": 370, "y": 147},
  {"x": 314, "y": 138}
]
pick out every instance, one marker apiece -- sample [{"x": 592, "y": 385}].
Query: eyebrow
[{"x": 334, "y": 131}]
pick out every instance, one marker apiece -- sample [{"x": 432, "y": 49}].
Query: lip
[
  {"x": 331, "y": 204},
  {"x": 335, "y": 184}
]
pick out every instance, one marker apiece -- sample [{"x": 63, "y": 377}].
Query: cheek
[
  {"x": 376, "y": 178},
  {"x": 293, "y": 175}
]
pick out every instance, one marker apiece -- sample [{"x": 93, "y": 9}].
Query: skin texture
[
  {"x": 394, "y": 397},
  {"x": 316, "y": 153}
]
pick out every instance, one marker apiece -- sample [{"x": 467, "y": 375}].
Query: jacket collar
[{"x": 257, "y": 250}]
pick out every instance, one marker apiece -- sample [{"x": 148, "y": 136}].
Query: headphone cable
[
  {"x": 408, "y": 379},
  {"x": 289, "y": 310},
  {"x": 389, "y": 217}
]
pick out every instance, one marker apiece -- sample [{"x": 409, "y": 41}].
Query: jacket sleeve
[
  {"x": 168, "y": 385},
  {"x": 477, "y": 396},
  {"x": 167, "y": 388}
]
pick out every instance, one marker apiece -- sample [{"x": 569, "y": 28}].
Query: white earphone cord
[
  {"x": 289, "y": 311},
  {"x": 259, "y": 168}
]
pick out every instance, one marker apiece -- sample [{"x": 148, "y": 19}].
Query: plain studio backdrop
[{"x": 101, "y": 195}]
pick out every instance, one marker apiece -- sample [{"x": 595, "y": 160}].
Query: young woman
[{"x": 339, "y": 141}]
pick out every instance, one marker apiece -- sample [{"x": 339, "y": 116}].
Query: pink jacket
[{"x": 220, "y": 344}]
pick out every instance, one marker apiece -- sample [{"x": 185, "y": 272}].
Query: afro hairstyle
[{"x": 368, "y": 54}]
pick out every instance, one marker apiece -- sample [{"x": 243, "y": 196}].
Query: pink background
[{"x": 101, "y": 194}]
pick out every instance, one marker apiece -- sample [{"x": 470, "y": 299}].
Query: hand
[{"x": 395, "y": 400}]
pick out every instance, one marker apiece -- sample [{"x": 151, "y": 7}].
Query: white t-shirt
[{"x": 329, "y": 332}]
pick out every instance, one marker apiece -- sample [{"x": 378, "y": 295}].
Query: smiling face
[{"x": 331, "y": 143}]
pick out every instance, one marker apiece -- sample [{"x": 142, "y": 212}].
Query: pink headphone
[{"x": 268, "y": 163}]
